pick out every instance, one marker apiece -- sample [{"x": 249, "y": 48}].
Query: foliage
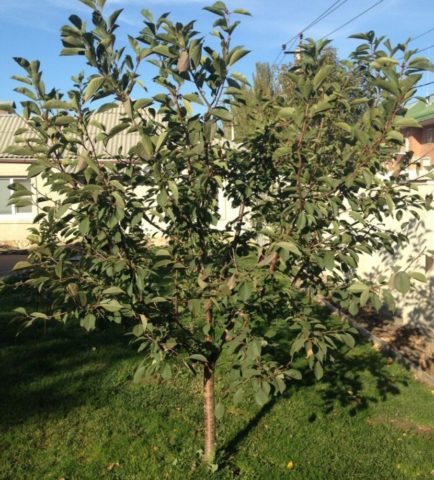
[{"x": 310, "y": 185}]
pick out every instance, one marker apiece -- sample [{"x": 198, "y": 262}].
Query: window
[
  {"x": 5, "y": 193},
  {"x": 428, "y": 135}
]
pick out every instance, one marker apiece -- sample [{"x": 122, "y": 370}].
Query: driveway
[{"x": 7, "y": 262}]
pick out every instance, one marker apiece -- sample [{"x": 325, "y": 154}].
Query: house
[
  {"x": 420, "y": 141},
  {"x": 14, "y": 221}
]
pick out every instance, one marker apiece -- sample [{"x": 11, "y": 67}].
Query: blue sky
[{"x": 30, "y": 29}]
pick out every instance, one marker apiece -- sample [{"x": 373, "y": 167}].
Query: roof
[
  {"x": 10, "y": 123},
  {"x": 422, "y": 110}
]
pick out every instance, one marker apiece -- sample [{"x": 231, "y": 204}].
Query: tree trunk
[{"x": 209, "y": 414}]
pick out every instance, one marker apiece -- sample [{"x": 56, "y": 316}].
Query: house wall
[
  {"x": 13, "y": 230},
  {"x": 421, "y": 142},
  {"x": 417, "y": 306}
]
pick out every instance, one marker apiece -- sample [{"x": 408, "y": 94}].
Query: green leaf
[
  {"x": 162, "y": 50},
  {"x": 39, "y": 315},
  {"x": 198, "y": 358},
  {"x": 174, "y": 189},
  {"x": 364, "y": 297},
  {"x": 241, "y": 11},
  {"x": 286, "y": 112},
  {"x": 218, "y": 8},
  {"x": 401, "y": 282},
  {"x": 329, "y": 260},
  {"x": 419, "y": 276},
  {"x": 94, "y": 85},
  {"x": 139, "y": 374},
  {"x": 318, "y": 370},
  {"x": 20, "y": 310},
  {"x": 261, "y": 397},
  {"x": 236, "y": 54},
  {"x": 110, "y": 305},
  {"x": 221, "y": 114},
  {"x": 88, "y": 322},
  {"x": 353, "y": 308},
  {"x": 403, "y": 122},
  {"x": 289, "y": 247},
  {"x": 292, "y": 373},
  {"x": 321, "y": 75},
  {"x": 113, "y": 291},
  {"x": 245, "y": 290},
  {"x": 21, "y": 265},
  {"x": 84, "y": 226},
  {"x": 57, "y": 104},
  {"x": 358, "y": 287},
  {"x": 348, "y": 340},
  {"x": 193, "y": 97},
  {"x": 166, "y": 372}
]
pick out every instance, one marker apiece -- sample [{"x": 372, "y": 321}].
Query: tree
[
  {"x": 249, "y": 112},
  {"x": 311, "y": 191}
]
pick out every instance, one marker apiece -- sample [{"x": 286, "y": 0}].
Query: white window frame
[{"x": 14, "y": 215}]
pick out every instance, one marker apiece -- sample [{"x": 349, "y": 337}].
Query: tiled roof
[
  {"x": 422, "y": 111},
  {"x": 10, "y": 123}
]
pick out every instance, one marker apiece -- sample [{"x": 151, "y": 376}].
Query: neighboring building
[
  {"x": 14, "y": 222},
  {"x": 420, "y": 141}
]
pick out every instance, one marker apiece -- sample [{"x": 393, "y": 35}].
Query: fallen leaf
[
  {"x": 112, "y": 466},
  {"x": 290, "y": 465}
]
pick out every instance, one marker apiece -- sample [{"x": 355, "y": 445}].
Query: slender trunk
[
  {"x": 209, "y": 396},
  {"x": 209, "y": 414}
]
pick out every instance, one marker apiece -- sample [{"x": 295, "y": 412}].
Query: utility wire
[
  {"x": 422, "y": 34},
  {"x": 424, "y": 49},
  {"x": 322, "y": 16},
  {"x": 352, "y": 19},
  {"x": 328, "y": 11},
  {"x": 425, "y": 84}
]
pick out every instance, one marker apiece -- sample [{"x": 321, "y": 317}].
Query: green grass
[{"x": 69, "y": 409}]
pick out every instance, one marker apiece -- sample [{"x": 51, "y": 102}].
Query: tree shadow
[
  {"x": 357, "y": 381},
  {"x": 354, "y": 382},
  {"x": 52, "y": 372}
]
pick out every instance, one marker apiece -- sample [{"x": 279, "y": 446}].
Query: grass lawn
[{"x": 69, "y": 409}]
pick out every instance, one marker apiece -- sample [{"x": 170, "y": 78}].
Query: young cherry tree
[{"x": 310, "y": 185}]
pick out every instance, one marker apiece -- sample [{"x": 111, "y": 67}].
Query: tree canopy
[{"x": 309, "y": 182}]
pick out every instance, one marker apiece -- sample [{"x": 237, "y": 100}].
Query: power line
[
  {"x": 425, "y": 84},
  {"x": 328, "y": 11},
  {"x": 323, "y": 15},
  {"x": 424, "y": 49},
  {"x": 352, "y": 19},
  {"x": 422, "y": 34}
]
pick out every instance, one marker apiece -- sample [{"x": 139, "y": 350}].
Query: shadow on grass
[
  {"x": 352, "y": 383},
  {"x": 52, "y": 373}
]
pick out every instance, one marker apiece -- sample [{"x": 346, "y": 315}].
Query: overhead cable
[{"x": 352, "y": 19}]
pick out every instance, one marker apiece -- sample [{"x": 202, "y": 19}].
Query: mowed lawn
[{"x": 69, "y": 410}]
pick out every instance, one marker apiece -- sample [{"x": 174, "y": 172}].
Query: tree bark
[{"x": 209, "y": 414}]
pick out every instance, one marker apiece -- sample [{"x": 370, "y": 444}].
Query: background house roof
[
  {"x": 124, "y": 140},
  {"x": 422, "y": 110}
]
